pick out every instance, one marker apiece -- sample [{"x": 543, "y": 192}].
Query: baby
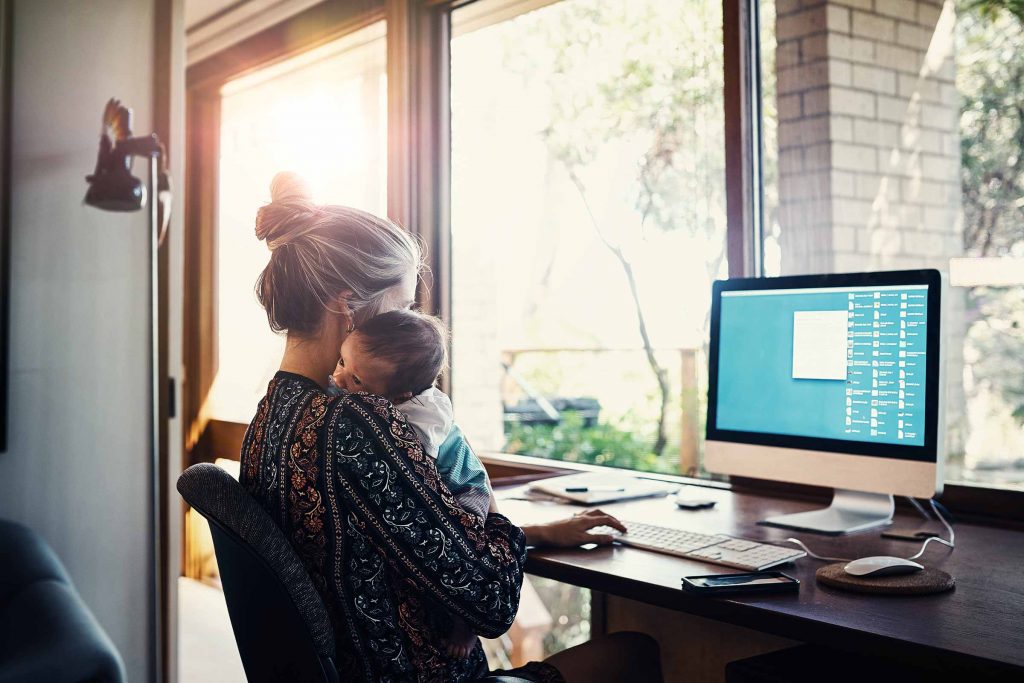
[{"x": 399, "y": 355}]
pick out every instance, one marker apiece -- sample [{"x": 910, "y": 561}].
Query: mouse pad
[{"x": 925, "y": 582}]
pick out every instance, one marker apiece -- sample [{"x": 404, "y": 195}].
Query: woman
[{"x": 385, "y": 543}]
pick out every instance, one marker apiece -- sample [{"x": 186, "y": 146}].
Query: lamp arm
[
  {"x": 141, "y": 146},
  {"x": 150, "y": 147}
]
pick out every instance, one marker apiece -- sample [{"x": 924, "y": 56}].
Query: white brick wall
[
  {"x": 873, "y": 26},
  {"x": 853, "y": 101},
  {"x": 901, "y": 9},
  {"x": 869, "y": 143}
]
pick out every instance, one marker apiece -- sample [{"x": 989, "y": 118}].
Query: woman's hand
[{"x": 574, "y": 531}]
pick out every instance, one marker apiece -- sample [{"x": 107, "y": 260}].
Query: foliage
[
  {"x": 990, "y": 9},
  {"x": 647, "y": 72},
  {"x": 990, "y": 79},
  {"x": 644, "y": 75},
  {"x": 602, "y": 444},
  {"x": 996, "y": 340}
]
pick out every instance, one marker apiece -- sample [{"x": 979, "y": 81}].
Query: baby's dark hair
[{"x": 414, "y": 343}]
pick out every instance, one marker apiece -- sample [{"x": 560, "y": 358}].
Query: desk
[{"x": 978, "y": 627}]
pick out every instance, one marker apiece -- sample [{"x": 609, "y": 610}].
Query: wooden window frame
[
  {"x": 418, "y": 48},
  {"x": 419, "y": 139}
]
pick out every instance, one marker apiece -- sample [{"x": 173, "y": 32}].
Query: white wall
[
  {"x": 76, "y": 467},
  {"x": 176, "y": 246}
]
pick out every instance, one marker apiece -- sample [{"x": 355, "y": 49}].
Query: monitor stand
[{"x": 849, "y": 512}]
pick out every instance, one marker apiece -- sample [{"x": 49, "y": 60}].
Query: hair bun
[
  {"x": 289, "y": 214},
  {"x": 288, "y": 186}
]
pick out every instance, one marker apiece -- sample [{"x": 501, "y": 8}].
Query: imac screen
[{"x": 843, "y": 363}]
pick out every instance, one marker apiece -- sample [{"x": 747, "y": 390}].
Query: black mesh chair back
[{"x": 280, "y": 623}]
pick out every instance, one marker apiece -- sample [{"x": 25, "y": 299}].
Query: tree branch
[{"x": 627, "y": 267}]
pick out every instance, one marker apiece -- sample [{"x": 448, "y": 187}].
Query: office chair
[{"x": 280, "y": 623}]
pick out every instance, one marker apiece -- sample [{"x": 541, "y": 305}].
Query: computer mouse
[
  {"x": 686, "y": 503},
  {"x": 881, "y": 566}
]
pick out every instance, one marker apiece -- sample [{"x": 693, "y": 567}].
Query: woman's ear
[
  {"x": 402, "y": 397},
  {"x": 344, "y": 311}
]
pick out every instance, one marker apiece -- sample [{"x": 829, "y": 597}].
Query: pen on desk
[{"x": 593, "y": 489}]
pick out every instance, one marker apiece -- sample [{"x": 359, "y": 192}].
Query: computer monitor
[{"x": 829, "y": 380}]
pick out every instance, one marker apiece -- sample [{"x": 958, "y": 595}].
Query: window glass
[
  {"x": 323, "y": 115},
  {"x": 588, "y": 221},
  {"x": 893, "y": 137}
]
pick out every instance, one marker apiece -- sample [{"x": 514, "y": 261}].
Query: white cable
[
  {"x": 950, "y": 543},
  {"x": 913, "y": 501},
  {"x": 952, "y": 536},
  {"x": 810, "y": 553}
]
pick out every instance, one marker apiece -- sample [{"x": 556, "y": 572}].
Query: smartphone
[
  {"x": 908, "y": 535},
  {"x": 732, "y": 584}
]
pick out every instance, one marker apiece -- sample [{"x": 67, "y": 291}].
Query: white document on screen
[{"x": 819, "y": 345}]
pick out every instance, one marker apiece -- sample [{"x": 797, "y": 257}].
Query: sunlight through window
[{"x": 323, "y": 115}]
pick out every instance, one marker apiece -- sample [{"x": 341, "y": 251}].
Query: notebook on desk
[{"x": 592, "y": 488}]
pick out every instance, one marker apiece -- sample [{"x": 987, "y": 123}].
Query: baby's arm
[
  {"x": 430, "y": 415},
  {"x": 465, "y": 475}
]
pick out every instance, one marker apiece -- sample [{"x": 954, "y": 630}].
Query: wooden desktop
[{"x": 978, "y": 628}]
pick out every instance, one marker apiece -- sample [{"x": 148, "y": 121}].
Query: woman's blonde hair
[{"x": 320, "y": 251}]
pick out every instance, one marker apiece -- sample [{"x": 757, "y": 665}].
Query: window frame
[{"x": 419, "y": 193}]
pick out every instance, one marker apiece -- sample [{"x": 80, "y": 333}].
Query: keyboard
[{"x": 713, "y": 548}]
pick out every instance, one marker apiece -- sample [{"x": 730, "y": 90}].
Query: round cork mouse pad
[{"x": 925, "y": 582}]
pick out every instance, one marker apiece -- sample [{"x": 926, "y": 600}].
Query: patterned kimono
[{"x": 385, "y": 542}]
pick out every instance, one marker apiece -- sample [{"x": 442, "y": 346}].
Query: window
[
  {"x": 892, "y": 138},
  {"x": 588, "y": 198},
  {"x": 321, "y": 114},
  {"x": 588, "y": 221}
]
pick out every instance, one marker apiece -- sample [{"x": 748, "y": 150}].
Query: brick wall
[{"x": 869, "y": 147}]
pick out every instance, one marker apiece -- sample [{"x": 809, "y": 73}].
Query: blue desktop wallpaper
[{"x": 756, "y": 389}]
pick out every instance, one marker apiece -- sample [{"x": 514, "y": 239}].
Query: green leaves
[
  {"x": 990, "y": 79},
  {"x": 643, "y": 75},
  {"x": 602, "y": 444},
  {"x": 990, "y": 9}
]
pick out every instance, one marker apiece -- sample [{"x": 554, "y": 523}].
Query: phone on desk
[{"x": 733, "y": 584}]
